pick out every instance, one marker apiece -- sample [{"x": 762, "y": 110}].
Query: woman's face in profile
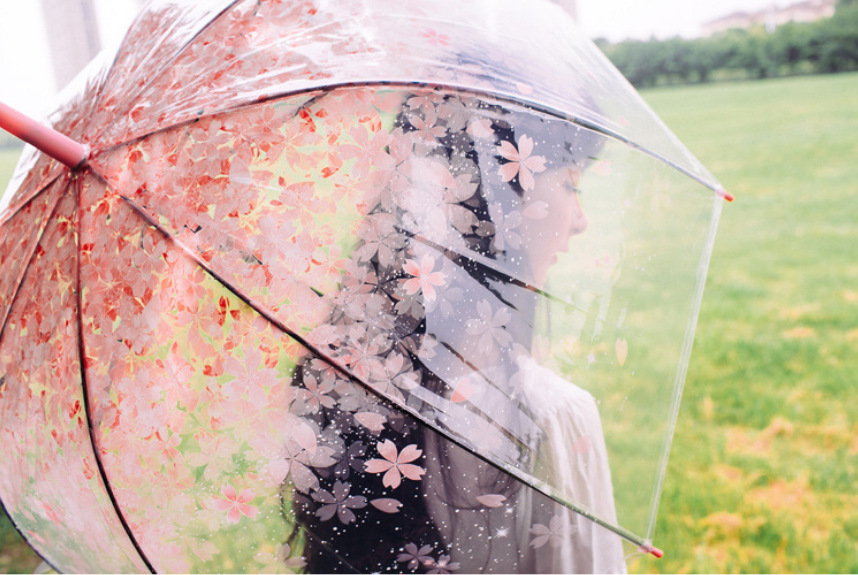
[{"x": 544, "y": 238}]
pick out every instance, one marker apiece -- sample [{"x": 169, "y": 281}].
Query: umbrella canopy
[{"x": 347, "y": 285}]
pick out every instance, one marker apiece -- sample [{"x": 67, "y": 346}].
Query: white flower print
[{"x": 490, "y": 327}]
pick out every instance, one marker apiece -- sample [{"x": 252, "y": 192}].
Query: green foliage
[
  {"x": 824, "y": 46},
  {"x": 15, "y": 555}
]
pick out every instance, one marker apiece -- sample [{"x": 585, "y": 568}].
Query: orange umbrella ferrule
[{"x": 60, "y": 147}]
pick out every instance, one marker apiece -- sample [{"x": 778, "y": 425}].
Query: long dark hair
[{"x": 399, "y": 324}]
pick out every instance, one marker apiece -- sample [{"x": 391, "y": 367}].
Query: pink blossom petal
[
  {"x": 525, "y": 178},
  {"x": 508, "y": 171},
  {"x": 525, "y": 147},
  {"x": 409, "y": 454},
  {"x": 377, "y": 465},
  {"x": 234, "y": 515},
  {"x": 491, "y": 500},
  {"x": 387, "y": 449},
  {"x": 535, "y": 164},
  {"x": 372, "y": 421},
  {"x": 304, "y": 435},
  {"x": 250, "y": 511},
  {"x": 245, "y": 496},
  {"x": 412, "y": 472},
  {"x": 387, "y": 505},
  {"x": 392, "y": 478},
  {"x": 508, "y": 151}
]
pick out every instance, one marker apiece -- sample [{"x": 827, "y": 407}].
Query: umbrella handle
[{"x": 60, "y": 147}]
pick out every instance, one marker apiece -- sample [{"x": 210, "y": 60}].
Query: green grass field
[{"x": 764, "y": 465}]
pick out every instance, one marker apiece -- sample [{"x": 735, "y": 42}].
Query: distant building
[{"x": 772, "y": 17}]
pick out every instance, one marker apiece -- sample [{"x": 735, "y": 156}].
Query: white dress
[{"x": 528, "y": 532}]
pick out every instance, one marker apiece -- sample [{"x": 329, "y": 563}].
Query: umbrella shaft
[{"x": 58, "y": 146}]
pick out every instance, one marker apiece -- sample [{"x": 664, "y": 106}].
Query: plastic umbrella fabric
[{"x": 358, "y": 285}]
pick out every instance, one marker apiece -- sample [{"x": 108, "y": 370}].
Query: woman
[{"x": 437, "y": 316}]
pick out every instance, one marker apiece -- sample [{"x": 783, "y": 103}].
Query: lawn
[{"x": 764, "y": 465}]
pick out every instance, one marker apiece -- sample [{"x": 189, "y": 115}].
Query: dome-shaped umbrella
[{"x": 356, "y": 285}]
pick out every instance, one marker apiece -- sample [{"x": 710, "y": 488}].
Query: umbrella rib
[
  {"x": 482, "y": 261},
  {"x": 327, "y": 547},
  {"x": 82, "y": 359},
  {"x": 9, "y": 214},
  {"x": 505, "y": 98},
  {"x": 527, "y": 479}
]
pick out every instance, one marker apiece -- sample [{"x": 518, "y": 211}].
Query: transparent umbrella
[{"x": 360, "y": 285}]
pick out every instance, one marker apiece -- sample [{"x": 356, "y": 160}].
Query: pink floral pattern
[
  {"x": 396, "y": 465},
  {"x": 522, "y": 163},
  {"x": 236, "y": 504},
  {"x": 284, "y": 302}
]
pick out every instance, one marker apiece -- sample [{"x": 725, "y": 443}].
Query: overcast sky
[{"x": 26, "y": 77}]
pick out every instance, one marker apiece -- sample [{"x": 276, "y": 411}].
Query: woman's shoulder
[{"x": 542, "y": 387}]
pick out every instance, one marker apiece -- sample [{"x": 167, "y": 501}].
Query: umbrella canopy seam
[
  {"x": 85, "y": 389},
  {"x": 502, "y": 98}
]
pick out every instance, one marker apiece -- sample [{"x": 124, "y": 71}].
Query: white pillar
[
  {"x": 73, "y": 37},
  {"x": 570, "y": 6}
]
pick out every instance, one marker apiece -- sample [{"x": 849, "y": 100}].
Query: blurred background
[{"x": 764, "y": 467}]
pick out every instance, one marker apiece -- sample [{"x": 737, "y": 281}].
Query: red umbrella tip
[
  {"x": 655, "y": 551},
  {"x": 725, "y": 194}
]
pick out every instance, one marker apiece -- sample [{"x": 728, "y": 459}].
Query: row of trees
[{"x": 825, "y": 46}]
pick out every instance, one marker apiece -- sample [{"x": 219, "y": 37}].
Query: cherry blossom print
[
  {"x": 521, "y": 163},
  {"x": 235, "y": 504},
  {"x": 338, "y": 502},
  {"x": 372, "y": 421},
  {"x": 316, "y": 395},
  {"x": 290, "y": 560},
  {"x": 490, "y": 326},
  {"x": 250, "y": 380},
  {"x": 424, "y": 279},
  {"x": 426, "y": 129},
  {"x": 555, "y": 532},
  {"x": 434, "y": 37},
  {"x": 416, "y": 557},
  {"x": 287, "y": 459},
  {"x": 443, "y": 565},
  {"x": 426, "y": 99},
  {"x": 295, "y": 300},
  {"x": 398, "y": 375},
  {"x": 506, "y": 228},
  {"x": 368, "y": 150},
  {"x": 480, "y": 128},
  {"x": 396, "y": 464}
]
